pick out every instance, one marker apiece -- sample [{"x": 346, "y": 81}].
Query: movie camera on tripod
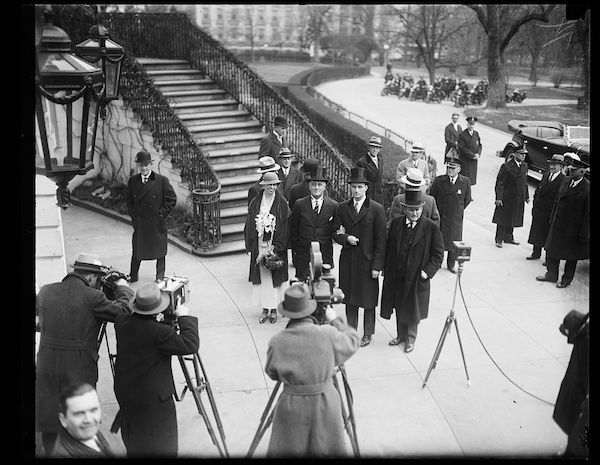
[{"x": 177, "y": 287}]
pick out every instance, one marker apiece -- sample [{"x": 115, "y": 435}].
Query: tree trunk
[
  {"x": 496, "y": 65},
  {"x": 583, "y": 32}
]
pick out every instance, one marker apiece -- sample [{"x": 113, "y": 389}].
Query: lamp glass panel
[{"x": 112, "y": 78}]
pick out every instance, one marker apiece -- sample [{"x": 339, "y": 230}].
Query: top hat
[
  {"x": 319, "y": 173},
  {"x": 375, "y": 141},
  {"x": 412, "y": 198},
  {"x": 297, "y": 302},
  {"x": 269, "y": 178},
  {"x": 88, "y": 262},
  {"x": 413, "y": 177},
  {"x": 280, "y": 121},
  {"x": 143, "y": 157},
  {"x": 266, "y": 164},
  {"x": 285, "y": 153},
  {"x": 149, "y": 300},
  {"x": 417, "y": 147},
  {"x": 309, "y": 164},
  {"x": 471, "y": 119},
  {"x": 572, "y": 159},
  {"x": 557, "y": 159},
  {"x": 358, "y": 175}
]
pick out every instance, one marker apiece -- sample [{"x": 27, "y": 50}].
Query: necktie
[
  {"x": 356, "y": 206},
  {"x": 144, "y": 179},
  {"x": 572, "y": 184},
  {"x": 316, "y": 208},
  {"x": 452, "y": 180},
  {"x": 411, "y": 225}
]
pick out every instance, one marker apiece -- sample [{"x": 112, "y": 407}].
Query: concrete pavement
[{"x": 515, "y": 355}]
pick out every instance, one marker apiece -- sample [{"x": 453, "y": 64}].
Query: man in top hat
[
  {"x": 70, "y": 314},
  {"x": 313, "y": 220},
  {"x": 360, "y": 230},
  {"x": 569, "y": 235},
  {"x": 511, "y": 195},
  {"x": 543, "y": 200},
  {"x": 265, "y": 165},
  {"x": 144, "y": 384},
  {"x": 373, "y": 165},
  {"x": 274, "y": 141},
  {"x": 415, "y": 251},
  {"x": 451, "y": 133},
  {"x": 307, "y": 419},
  {"x": 289, "y": 175},
  {"x": 150, "y": 200},
  {"x": 302, "y": 189},
  {"x": 469, "y": 150},
  {"x": 413, "y": 180},
  {"x": 452, "y": 192},
  {"x": 415, "y": 160}
]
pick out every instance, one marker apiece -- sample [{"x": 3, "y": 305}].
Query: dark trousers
[
  {"x": 537, "y": 251},
  {"x": 406, "y": 333},
  {"x": 552, "y": 265},
  {"x": 135, "y": 268},
  {"x": 451, "y": 258},
  {"x": 368, "y": 320},
  {"x": 504, "y": 233}
]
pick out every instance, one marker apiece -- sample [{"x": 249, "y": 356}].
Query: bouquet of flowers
[
  {"x": 270, "y": 259},
  {"x": 265, "y": 223}
]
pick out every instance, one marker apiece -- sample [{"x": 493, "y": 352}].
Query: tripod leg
[
  {"x": 462, "y": 351},
  {"x": 438, "y": 350},
  {"x": 349, "y": 401},
  {"x": 264, "y": 425}
]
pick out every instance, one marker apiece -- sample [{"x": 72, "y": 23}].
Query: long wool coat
[
  {"x": 569, "y": 234},
  {"x": 270, "y": 146},
  {"x": 451, "y": 202},
  {"x": 426, "y": 252},
  {"x": 541, "y": 209},
  {"x": 70, "y": 317},
  {"x": 357, "y": 261},
  {"x": 451, "y": 138},
  {"x": 307, "y": 419},
  {"x": 294, "y": 177},
  {"x": 511, "y": 188},
  {"x": 374, "y": 174},
  {"x": 149, "y": 206},
  {"x": 144, "y": 384},
  {"x": 468, "y": 146},
  {"x": 280, "y": 238}
]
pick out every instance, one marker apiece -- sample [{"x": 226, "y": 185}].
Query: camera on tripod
[
  {"x": 177, "y": 289},
  {"x": 107, "y": 281},
  {"x": 462, "y": 251}
]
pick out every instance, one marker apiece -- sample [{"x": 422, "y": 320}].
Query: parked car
[{"x": 544, "y": 139}]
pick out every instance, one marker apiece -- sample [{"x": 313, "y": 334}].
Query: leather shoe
[
  {"x": 395, "y": 341},
  {"x": 451, "y": 269},
  {"x": 409, "y": 348},
  {"x": 499, "y": 244},
  {"x": 561, "y": 285},
  {"x": 273, "y": 317},
  {"x": 512, "y": 242},
  {"x": 263, "y": 316},
  {"x": 545, "y": 278},
  {"x": 366, "y": 340},
  {"x": 533, "y": 257}
]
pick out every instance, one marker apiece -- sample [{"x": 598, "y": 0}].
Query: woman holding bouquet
[{"x": 266, "y": 235}]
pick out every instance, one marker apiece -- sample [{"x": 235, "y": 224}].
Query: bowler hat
[
  {"x": 319, "y": 173},
  {"x": 572, "y": 159},
  {"x": 412, "y": 198},
  {"x": 413, "y": 177},
  {"x": 309, "y": 164},
  {"x": 88, "y": 262},
  {"x": 358, "y": 175},
  {"x": 557, "y": 159},
  {"x": 266, "y": 164},
  {"x": 297, "y": 302},
  {"x": 269, "y": 178},
  {"x": 280, "y": 121},
  {"x": 471, "y": 119},
  {"x": 149, "y": 300},
  {"x": 143, "y": 157},
  {"x": 375, "y": 141},
  {"x": 417, "y": 147}
]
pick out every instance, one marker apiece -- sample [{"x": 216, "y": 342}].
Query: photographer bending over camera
[
  {"x": 144, "y": 383},
  {"x": 307, "y": 420}
]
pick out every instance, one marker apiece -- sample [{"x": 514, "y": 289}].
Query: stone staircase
[{"x": 228, "y": 133}]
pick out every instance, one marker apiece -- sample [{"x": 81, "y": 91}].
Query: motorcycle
[
  {"x": 419, "y": 92},
  {"x": 391, "y": 87},
  {"x": 478, "y": 96},
  {"x": 436, "y": 93},
  {"x": 463, "y": 97},
  {"x": 517, "y": 96}
]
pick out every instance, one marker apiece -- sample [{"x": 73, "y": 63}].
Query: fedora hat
[
  {"x": 413, "y": 177},
  {"x": 412, "y": 198},
  {"x": 88, "y": 262},
  {"x": 358, "y": 175},
  {"x": 375, "y": 141},
  {"x": 269, "y": 178},
  {"x": 149, "y": 300},
  {"x": 417, "y": 147},
  {"x": 319, "y": 173},
  {"x": 143, "y": 157},
  {"x": 285, "y": 153},
  {"x": 297, "y": 302},
  {"x": 309, "y": 164},
  {"x": 572, "y": 159},
  {"x": 266, "y": 164},
  {"x": 280, "y": 121},
  {"x": 557, "y": 159}
]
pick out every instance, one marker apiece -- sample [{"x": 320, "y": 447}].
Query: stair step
[
  {"x": 228, "y": 116},
  {"x": 204, "y": 106},
  {"x": 174, "y": 74},
  {"x": 234, "y": 197},
  {"x": 236, "y": 167},
  {"x": 224, "y": 248},
  {"x": 225, "y": 129},
  {"x": 162, "y": 63},
  {"x": 195, "y": 95},
  {"x": 234, "y": 154},
  {"x": 186, "y": 85},
  {"x": 233, "y": 140}
]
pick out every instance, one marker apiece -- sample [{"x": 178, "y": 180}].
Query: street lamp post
[{"x": 386, "y": 49}]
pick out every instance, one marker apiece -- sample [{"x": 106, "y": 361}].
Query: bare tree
[
  {"x": 250, "y": 22},
  {"x": 316, "y": 24}
]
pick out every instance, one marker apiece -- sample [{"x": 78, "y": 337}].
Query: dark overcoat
[
  {"x": 149, "y": 206},
  {"x": 144, "y": 384},
  {"x": 374, "y": 175},
  {"x": 306, "y": 227},
  {"x": 511, "y": 188},
  {"x": 280, "y": 240},
  {"x": 294, "y": 177},
  {"x": 451, "y": 200},
  {"x": 70, "y": 317},
  {"x": 357, "y": 261},
  {"x": 426, "y": 252},
  {"x": 541, "y": 209},
  {"x": 270, "y": 146},
  {"x": 569, "y": 234},
  {"x": 451, "y": 137},
  {"x": 468, "y": 146}
]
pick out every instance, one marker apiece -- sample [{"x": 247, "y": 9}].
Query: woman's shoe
[
  {"x": 263, "y": 316},
  {"x": 273, "y": 317}
]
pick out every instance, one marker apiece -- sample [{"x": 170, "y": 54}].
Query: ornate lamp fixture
[{"x": 68, "y": 91}]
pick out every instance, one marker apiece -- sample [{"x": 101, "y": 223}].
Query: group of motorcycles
[{"x": 517, "y": 96}]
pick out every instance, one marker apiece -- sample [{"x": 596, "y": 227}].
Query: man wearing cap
[
  {"x": 70, "y": 314},
  {"x": 415, "y": 251},
  {"x": 360, "y": 230},
  {"x": 288, "y": 174},
  {"x": 415, "y": 160},
  {"x": 144, "y": 384},
  {"x": 150, "y": 200},
  {"x": 452, "y": 193},
  {"x": 274, "y": 141},
  {"x": 265, "y": 165},
  {"x": 569, "y": 235},
  {"x": 451, "y": 133},
  {"x": 307, "y": 418},
  {"x": 413, "y": 180},
  {"x": 469, "y": 150},
  {"x": 373, "y": 165},
  {"x": 543, "y": 200},
  {"x": 313, "y": 220},
  {"x": 511, "y": 194},
  {"x": 302, "y": 189}
]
